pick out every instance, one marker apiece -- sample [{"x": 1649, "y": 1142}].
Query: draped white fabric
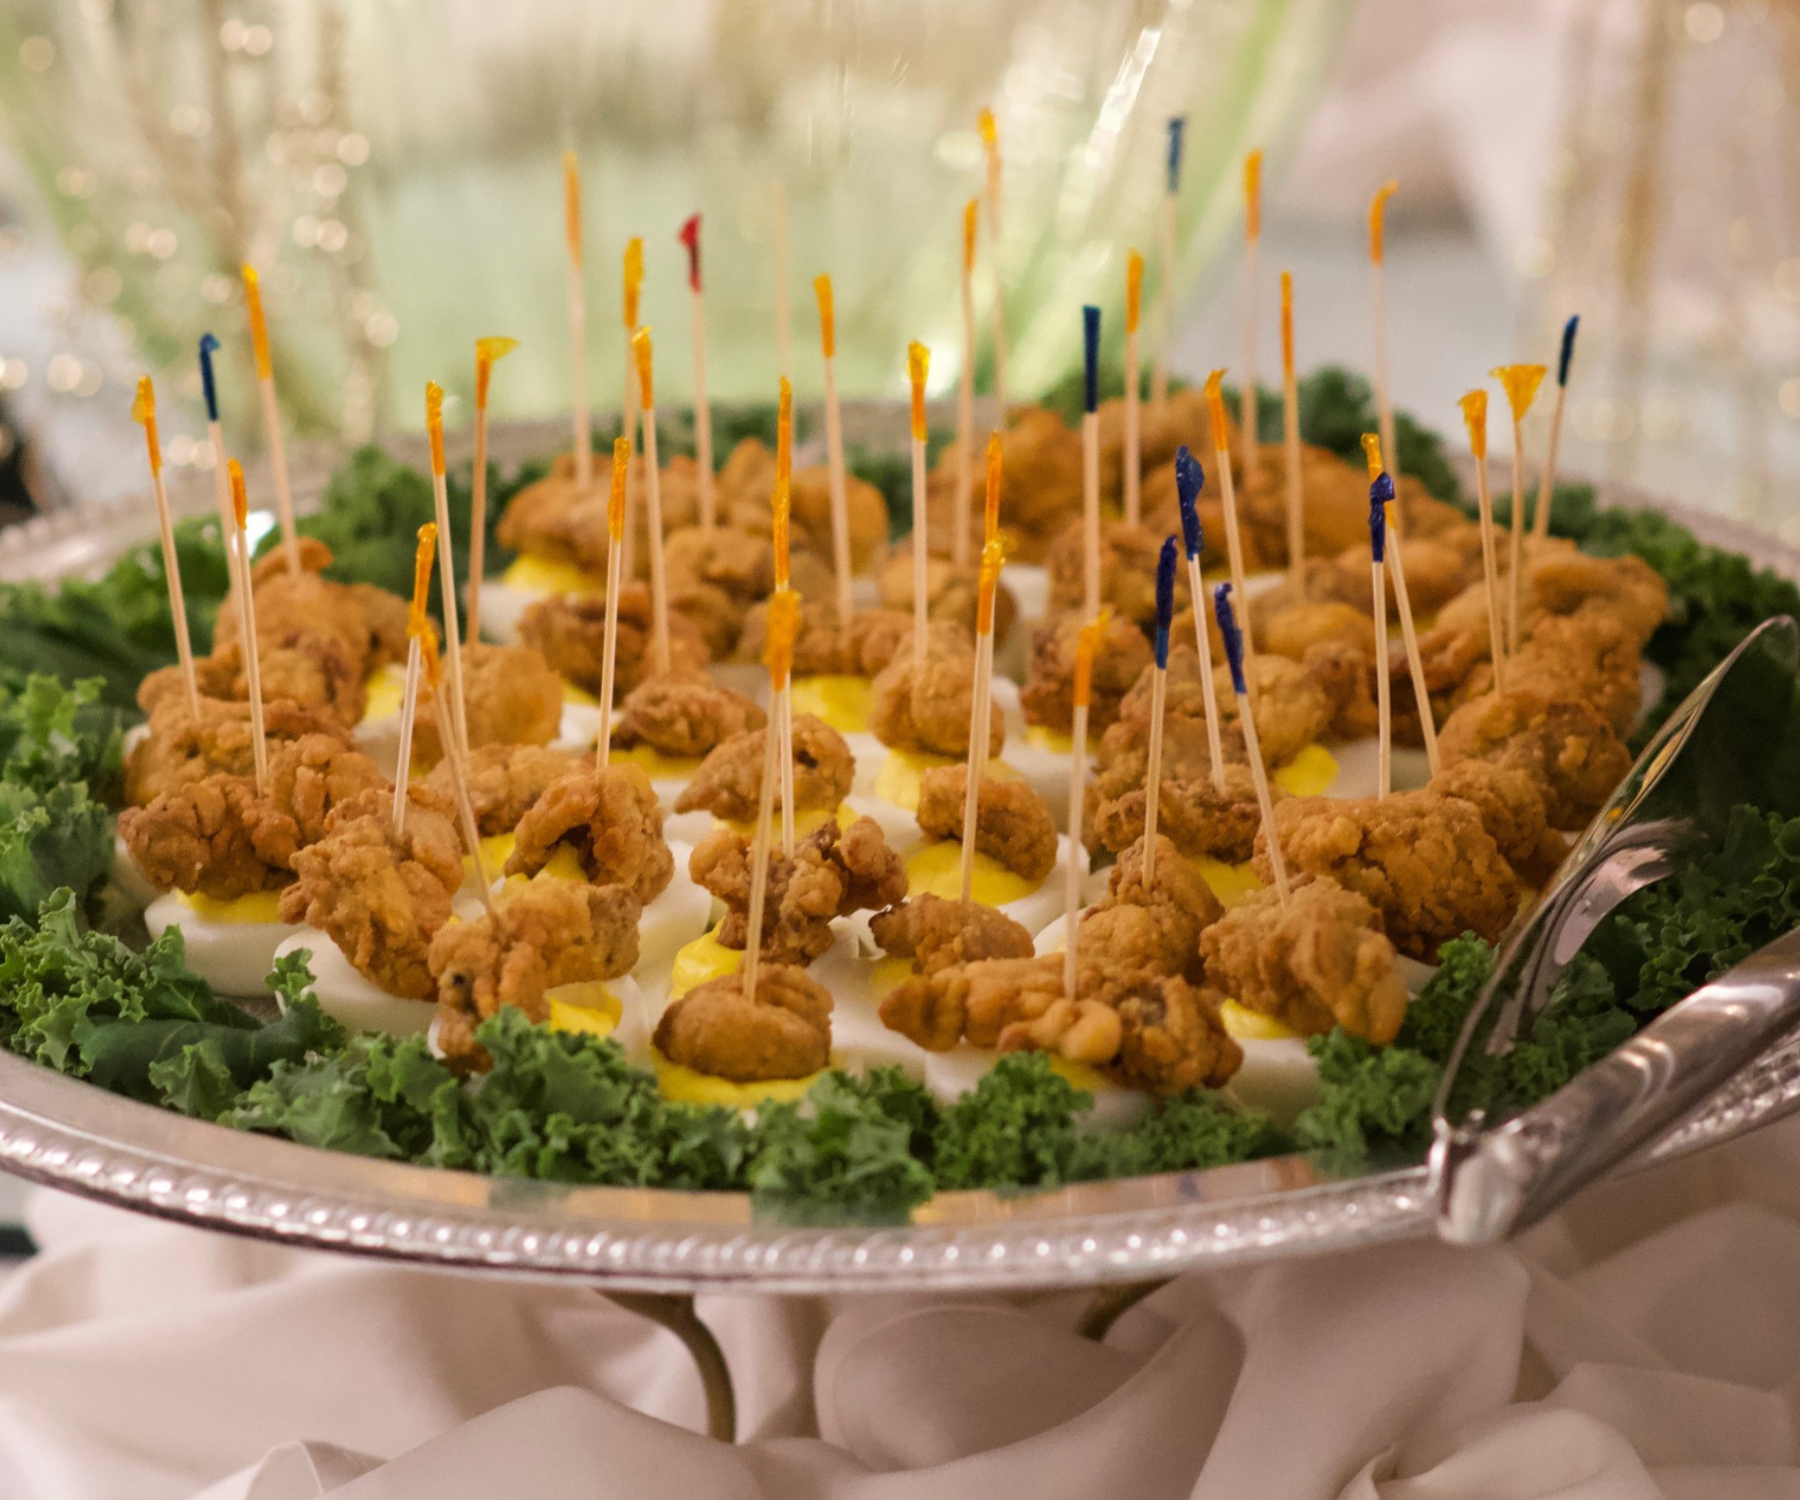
[{"x": 1643, "y": 1344}]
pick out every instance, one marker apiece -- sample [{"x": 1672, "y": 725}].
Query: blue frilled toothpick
[
  {"x": 1090, "y": 460},
  {"x": 1540, "y": 518},
  {"x": 1159, "y": 698},
  {"x": 1189, "y": 478},
  {"x": 1381, "y": 490}
]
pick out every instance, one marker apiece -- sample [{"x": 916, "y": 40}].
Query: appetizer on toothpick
[
  {"x": 659, "y": 588},
  {"x": 1086, "y": 644},
  {"x": 143, "y": 410},
  {"x": 1540, "y": 518},
  {"x": 440, "y": 499},
  {"x": 965, "y": 392},
  {"x": 1234, "y": 657},
  {"x": 1090, "y": 460},
  {"x": 1520, "y": 382},
  {"x": 1384, "y": 405},
  {"x": 1248, "y": 436},
  {"x": 781, "y": 504},
  {"x": 584, "y": 429},
  {"x": 1380, "y": 488},
  {"x": 487, "y": 352},
  {"x": 918, "y": 366},
  {"x": 1409, "y": 635},
  {"x": 1189, "y": 477},
  {"x": 1134, "y": 296},
  {"x": 615, "y": 546},
  {"x": 1234, "y": 543},
  {"x": 1159, "y": 698},
  {"x": 990, "y": 142},
  {"x": 703, "y": 448},
  {"x": 418, "y": 631},
  {"x": 993, "y": 557},
  {"x": 265, "y": 385},
  {"x": 834, "y": 455},
  {"x": 1474, "y": 409},
  {"x": 240, "y": 542},
  {"x": 1290, "y": 437},
  {"x": 1165, "y": 292},
  {"x": 778, "y": 655},
  {"x": 784, "y": 318}
]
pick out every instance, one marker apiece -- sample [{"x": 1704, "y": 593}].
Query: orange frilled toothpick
[
  {"x": 965, "y": 392},
  {"x": 418, "y": 635},
  {"x": 143, "y": 410},
  {"x": 1290, "y": 434},
  {"x": 1248, "y": 435},
  {"x": 782, "y": 626},
  {"x": 781, "y": 505},
  {"x": 265, "y": 385},
  {"x": 584, "y": 427},
  {"x": 1409, "y": 635},
  {"x": 240, "y": 542},
  {"x": 615, "y": 546},
  {"x": 1087, "y": 645},
  {"x": 1234, "y": 545},
  {"x": 834, "y": 454},
  {"x": 1520, "y": 382},
  {"x": 990, "y": 144},
  {"x": 703, "y": 445},
  {"x": 1134, "y": 461},
  {"x": 457, "y": 726},
  {"x": 1475, "y": 412},
  {"x": 918, "y": 368},
  {"x": 659, "y": 589},
  {"x": 1384, "y": 405},
  {"x": 488, "y": 352},
  {"x": 993, "y": 558}
]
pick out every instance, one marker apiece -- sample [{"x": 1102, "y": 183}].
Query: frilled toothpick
[
  {"x": 1384, "y": 405},
  {"x": 965, "y": 391},
  {"x": 1090, "y": 460},
  {"x": 918, "y": 368},
  {"x": 615, "y": 547},
  {"x": 782, "y": 626},
  {"x": 578, "y": 370},
  {"x": 1409, "y": 635},
  {"x": 781, "y": 504},
  {"x": 488, "y": 352},
  {"x": 143, "y": 410},
  {"x": 271, "y": 409},
  {"x": 1234, "y": 657},
  {"x": 1475, "y": 411},
  {"x": 1546, "y": 495},
  {"x": 1159, "y": 698},
  {"x": 1165, "y": 291},
  {"x": 456, "y": 727},
  {"x": 993, "y": 557},
  {"x": 240, "y": 542},
  {"x": 1290, "y": 437},
  {"x": 703, "y": 437},
  {"x": 1380, "y": 489},
  {"x": 834, "y": 456},
  {"x": 1133, "y": 476},
  {"x": 1189, "y": 479},
  {"x": 990, "y": 143},
  {"x": 644, "y": 357},
  {"x": 1234, "y": 544},
  {"x": 1520, "y": 382},
  {"x": 1087, "y": 645},
  {"x": 418, "y": 632},
  {"x": 1249, "y": 438}
]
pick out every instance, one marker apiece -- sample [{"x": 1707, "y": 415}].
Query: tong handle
[{"x": 1494, "y": 1184}]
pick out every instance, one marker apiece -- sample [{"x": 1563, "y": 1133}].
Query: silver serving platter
[{"x": 73, "y": 1136}]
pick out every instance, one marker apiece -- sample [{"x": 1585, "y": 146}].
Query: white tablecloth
[{"x": 1646, "y": 1343}]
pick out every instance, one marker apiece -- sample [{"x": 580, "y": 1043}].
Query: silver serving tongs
[{"x": 1729, "y": 743}]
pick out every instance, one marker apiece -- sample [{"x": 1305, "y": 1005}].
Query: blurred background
[{"x": 392, "y": 166}]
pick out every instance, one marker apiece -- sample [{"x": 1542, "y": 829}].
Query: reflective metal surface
[{"x": 65, "y": 1133}]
